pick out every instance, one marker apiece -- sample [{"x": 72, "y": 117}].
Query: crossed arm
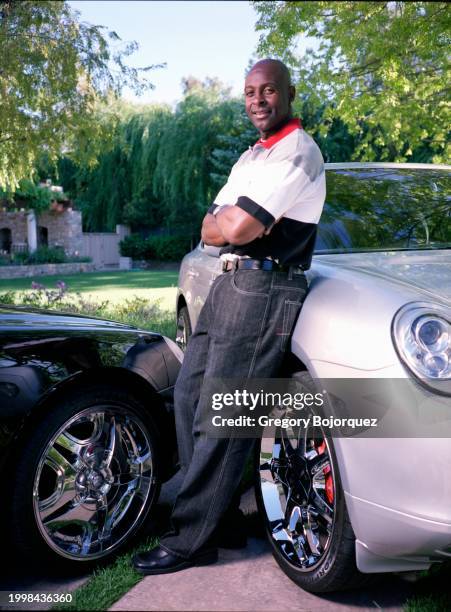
[{"x": 231, "y": 225}]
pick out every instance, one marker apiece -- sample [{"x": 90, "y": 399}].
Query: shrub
[
  {"x": 8, "y": 297},
  {"x": 20, "y": 258},
  {"x": 161, "y": 248},
  {"x": 136, "y": 311},
  {"x": 29, "y": 195},
  {"x": 79, "y": 259},
  {"x": 42, "y": 255},
  {"x": 46, "y": 254},
  {"x": 168, "y": 248},
  {"x": 132, "y": 246}
]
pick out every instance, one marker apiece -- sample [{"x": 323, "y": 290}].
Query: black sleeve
[{"x": 257, "y": 211}]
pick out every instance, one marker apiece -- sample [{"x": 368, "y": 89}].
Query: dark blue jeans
[{"x": 243, "y": 331}]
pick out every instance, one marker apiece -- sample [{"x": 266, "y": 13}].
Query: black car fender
[{"x": 38, "y": 370}]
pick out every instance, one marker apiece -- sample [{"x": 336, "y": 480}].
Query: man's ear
[{"x": 292, "y": 93}]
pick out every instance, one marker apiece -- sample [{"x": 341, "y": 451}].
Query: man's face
[{"x": 268, "y": 96}]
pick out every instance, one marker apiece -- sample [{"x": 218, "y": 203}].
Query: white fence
[{"x": 103, "y": 247}]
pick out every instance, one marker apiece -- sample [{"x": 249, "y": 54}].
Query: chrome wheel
[
  {"x": 183, "y": 328},
  {"x": 298, "y": 484},
  {"x": 93, "y": 482}
]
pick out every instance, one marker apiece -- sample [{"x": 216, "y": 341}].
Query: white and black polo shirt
[{"x": 280, "y": 178}]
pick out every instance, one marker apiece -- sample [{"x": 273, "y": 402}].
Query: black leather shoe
[{"x": 160, "y": 561}]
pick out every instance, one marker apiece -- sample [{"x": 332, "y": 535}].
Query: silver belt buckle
[{"x": 228, "y": 257}]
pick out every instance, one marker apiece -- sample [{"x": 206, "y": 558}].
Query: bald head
[
  {"x": 275, "y": 65},
  {"x": 268, "y": 94}
]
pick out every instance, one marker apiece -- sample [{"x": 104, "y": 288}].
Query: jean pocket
[
  {"x": 291, "y": 311},
  {"x": 251, "y": 282}
]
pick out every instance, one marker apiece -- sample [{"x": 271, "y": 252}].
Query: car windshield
[{"x": 373, "y": 209}]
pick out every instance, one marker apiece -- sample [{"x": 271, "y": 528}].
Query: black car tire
[
  {"x": 184, "y": 330},
  {"x": 333, "y": 570},
  {"x": 103, "y": 477}
]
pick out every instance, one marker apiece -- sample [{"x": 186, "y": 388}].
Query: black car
[{"x": 86, "y": 431}]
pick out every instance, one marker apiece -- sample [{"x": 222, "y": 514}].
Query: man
[{"x": 265, "y": 219}]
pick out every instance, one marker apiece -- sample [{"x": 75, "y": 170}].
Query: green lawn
[
  {"x": 107, "y": 584},
  {"x": 112, "y": 286}
]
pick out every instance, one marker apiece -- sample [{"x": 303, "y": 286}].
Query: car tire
[
  {"x": 86, "y": 478},
  {"x": 184, "y": 330},
  {"x": 298, "y": 487}
]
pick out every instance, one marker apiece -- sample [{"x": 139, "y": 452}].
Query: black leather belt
[
  {"x": 258, "y": 264},
  {"x": 250, "y": 264}
]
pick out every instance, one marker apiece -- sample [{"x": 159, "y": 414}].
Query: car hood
[
  {"x": 20, "y": 317},
  {"x": 428, "y": 271}
]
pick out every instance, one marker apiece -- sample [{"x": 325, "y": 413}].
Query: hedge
[{"x": 160, "y": 248}]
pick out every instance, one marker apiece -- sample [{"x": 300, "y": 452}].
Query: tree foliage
[
  {"x": 182, "y": 177},
  {"x": 119, "y": 189},
  {"x": 27, "y": 195},
  {"x": 231, "y": 143},
  {"x": 164, "y": 166},
  {"x": 54, "y": 72},
  {"x": 382, "y": 68},
  {"x": 164, "y": 248}
]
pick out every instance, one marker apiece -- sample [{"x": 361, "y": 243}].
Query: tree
[
  {"x": 119, "y": 189},
  {"x": 231, "y": 143},
  {"x": 164, "y": 167},
  {"x": 211, "y": 88},
  {"x": 182, "y": 177},
  {"x": 382, "y": 68},
  {"x": 54, "y": 74}
]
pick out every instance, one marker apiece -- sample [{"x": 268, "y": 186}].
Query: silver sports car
[{"x": 337, "y": 507}]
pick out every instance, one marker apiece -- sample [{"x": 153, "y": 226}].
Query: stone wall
[
  {"x": 43, "y": 269},
  {"x": 17, "y": 223},
  {"x": 64, "y": 228}
]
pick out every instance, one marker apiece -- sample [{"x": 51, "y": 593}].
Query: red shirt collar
[{"x": 293, "y": 124}]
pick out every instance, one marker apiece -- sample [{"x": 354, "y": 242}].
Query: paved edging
[{"x": 45, "y": 269}]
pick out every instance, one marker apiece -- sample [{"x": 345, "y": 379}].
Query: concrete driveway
[
  {"x": 250, "y": 580},
  {"x": 247, "y": 580}
]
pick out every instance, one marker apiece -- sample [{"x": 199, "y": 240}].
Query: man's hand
[
  {"x": 210, "y": 233},
  {"x": 232, "y": 225}
]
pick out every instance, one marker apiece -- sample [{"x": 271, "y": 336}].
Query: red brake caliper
[{"x": 329, "y": 483}]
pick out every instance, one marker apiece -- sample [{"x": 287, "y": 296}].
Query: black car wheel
[
  {"x": 300, "y": 498},
  {"x": 183, "y": 328},
  {"x": 87, "y": 477}
]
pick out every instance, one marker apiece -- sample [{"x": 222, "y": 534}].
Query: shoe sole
[{"x": 199, "y": 561}]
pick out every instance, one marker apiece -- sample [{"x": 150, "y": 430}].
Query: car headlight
[{"x": 422, "y": 338}]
